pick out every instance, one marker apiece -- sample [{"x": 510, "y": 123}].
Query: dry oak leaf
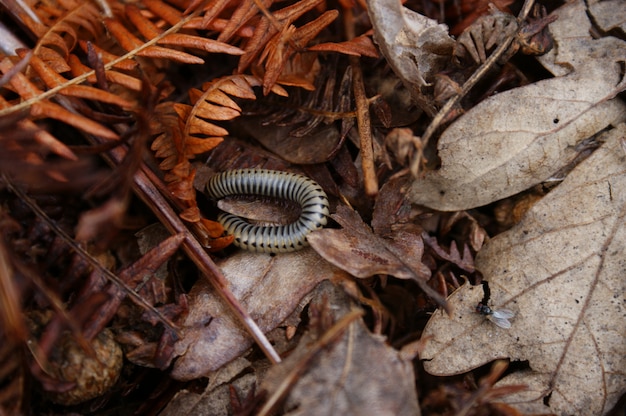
[
  {"x": 269, "y": 287},
  {"x": 357, "y": 373},
  {"x": 562, "y": 269},
  {"x": 520, "y": 138}
]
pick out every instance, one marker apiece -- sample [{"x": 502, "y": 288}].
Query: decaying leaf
[
  {"x": 415, "y": 46},
  {"x": 609, "y": 15},
  {"x": 268, "y": 287},
  {"x": 520, "y": 138},
  {"x": 356, "y": 374},
  {"x": 573, "y": 41},
  {"x": 562, "y": 271},
  {"x": 216, "y": 398},
  {"x": 357, "y": 250}
]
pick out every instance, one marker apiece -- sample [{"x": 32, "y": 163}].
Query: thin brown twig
[
  {"x": 81, "y": 78},
  {"x": 469, "y": 84},
  {"x": 370, "y": 180},
  {"x": 329, "y": 336},
  {"x": 74, "y": 245}
]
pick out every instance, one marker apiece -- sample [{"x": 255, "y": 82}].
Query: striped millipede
[{"x": 278, "y": 238}]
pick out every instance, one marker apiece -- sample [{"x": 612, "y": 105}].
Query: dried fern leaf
[
  {"x": 53, "y": 79},
  {"x": 125, "y": 65},
  {"x": 283, "y": 45},
  {"x": 150, "y": 31},
  {"x": 359, "y": 46},
  {"x": 208, "y": 107},
  {"x": 115, "y": 77},
  {"x": 130, "y": 43},
  {"x": 45, "y": 109},
  {"x": 266, "y": 29},
  {"x": 245, "y": 11},
  {"x": 42, "y": 137},
  {"x": 65, "y": 22}
]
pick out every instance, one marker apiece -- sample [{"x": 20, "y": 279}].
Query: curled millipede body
[{"x": 278, "y": 238}]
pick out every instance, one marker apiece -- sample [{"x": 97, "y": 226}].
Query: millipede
[{"x": 276, "y": 184}]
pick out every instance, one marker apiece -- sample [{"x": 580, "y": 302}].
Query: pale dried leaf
[
  {"x": 415, "y": 46},
  {"x": 521, "y": 137},
  {"x": 573, "y": 43},
  {"x": 268, "y": 287},
  {"x": 562, "y": 270},
  {"x": 215, "y": 399},
  {"x": 358, "y": 374},
  {"x": 609, "y": 15}
]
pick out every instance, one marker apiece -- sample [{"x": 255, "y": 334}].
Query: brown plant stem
[
  {"x": 151, "y": 190},
  {"x": 370, "y": 180},
  {"x": 469, "y": 84}
]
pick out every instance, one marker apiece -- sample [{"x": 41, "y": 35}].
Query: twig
[
  {"x": 81, "y": 78},
  {"x": 370, "y": 179},
  {"x": 471, "y": 82},
  {"x": 80, "y": 250}
]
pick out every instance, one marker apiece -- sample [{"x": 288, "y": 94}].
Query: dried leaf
[
  {"x": 129, "y": 42},
  {"x": 608, "y": 15},
  {"x": 415, "y": 46},
  {"x": 574, "y": 45},
  {"x": 283, "y": 45},
  {"x": 316, "y": 147},
  {"x": 52, "y": 79},
  {"x": 62, "y": 24},
  {"x": 264, "y": 29},
  {"x": 350, "y": 376},
  {"x": 359, "y": 46},
  {"x": 521, "y": 137},
  {"x": 561, "y": 270},
  {"x": 357, "y": 250},
  {"x": 268, "y": 287},
  {"x": 150, "y": 31}
]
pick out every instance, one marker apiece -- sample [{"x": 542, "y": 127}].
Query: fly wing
[
  {"x": 503, "y": 313},
  {"x": 500, "y": 321}
]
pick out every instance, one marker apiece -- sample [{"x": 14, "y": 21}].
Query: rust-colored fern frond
[
  {"x": 147, "y": 22},
  {"x": 175, "y": 153},
  {"x": 52, "y": 79},
  {"x": 40, "y": 109},
  {"x": 59, "y": 25},
  {"x": 214, "y": 103},
  {"x": 286, "y": 43}
]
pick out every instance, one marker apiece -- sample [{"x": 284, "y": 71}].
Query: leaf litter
[
  {"x": 562, "y": 271},
  {"x": 562, "y": 303},
  {"x": 267, "y": 288},
  {"x": 520, "y": 138}
]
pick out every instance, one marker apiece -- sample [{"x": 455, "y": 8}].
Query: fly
[{"x": 500, "y": 317}]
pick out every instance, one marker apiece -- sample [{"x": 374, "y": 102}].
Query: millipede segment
[{"x": 276, "y": 184}]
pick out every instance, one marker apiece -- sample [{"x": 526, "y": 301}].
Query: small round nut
[{"x": 93, "y": 376}]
